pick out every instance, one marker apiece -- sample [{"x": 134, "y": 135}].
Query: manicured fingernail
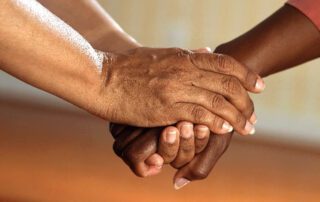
[
  {"x": 171, "y": 136},
  {"x": 202, "y": 132},
  {"x": 187, "y": 131},
  {"x": 260, "y": 85},
  {"x": 180, "y": 182},
  {"x": 253, "y": 118},
  {"x": 227, "y": 127},
  {"x": 250, "y": 128}
]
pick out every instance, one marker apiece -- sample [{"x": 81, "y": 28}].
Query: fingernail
[
  {"x": 260, "y": 85},
  {"x": 253, "y": 118},
  {"x": 180, "y": 182},
  {"x": 250, "y": 128},
  {"x": 187, "y": 131},
  {"x": 171, "y": 136},
  {"x": 202, "y": 132},
  {"x": 227, "y": 127},
  {"x": 208, "y": 49}
]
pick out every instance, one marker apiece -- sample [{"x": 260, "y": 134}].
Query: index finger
[
  {"x": 200, "y": 167},
  {"x": 225, "y": 64}
]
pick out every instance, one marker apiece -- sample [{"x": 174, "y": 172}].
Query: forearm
[
  {"x": 285, "y": 39},
  {"x": 92, "y": 22},
  {"x": 41, "y": 50}
]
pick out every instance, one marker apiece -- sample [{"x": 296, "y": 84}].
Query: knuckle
[
  {"x": 176, "y": 49},
  {"x": 217, "y": 101},
  {"x": 199, "y": 173},
  {"x": 133, "y": 156},
  {"x": 231, "y": 85},
  {"x": 183, "y": 52},
  {"x": 200, "y": 115},
  {"x": 225, "y": 63},
  {"x": 221, "y": 61},
  {"x": 183, "y": 57}
]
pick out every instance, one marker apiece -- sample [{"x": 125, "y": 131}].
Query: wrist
[
  {"x": 115, "y": 41},
  {"x": 245, "y": 57}
]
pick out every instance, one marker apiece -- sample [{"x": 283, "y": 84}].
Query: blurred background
[{"x": 53, "y": 151}]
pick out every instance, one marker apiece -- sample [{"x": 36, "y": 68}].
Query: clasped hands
[{"x": 175, "y": 106}]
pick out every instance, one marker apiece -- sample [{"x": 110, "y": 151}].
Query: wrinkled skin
[{"x": 149, "y": 87}]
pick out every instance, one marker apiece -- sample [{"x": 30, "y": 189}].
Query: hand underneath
[{"x": 192, "y": 150}]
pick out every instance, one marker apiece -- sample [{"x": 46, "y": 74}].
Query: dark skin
[{"x": 285, "y": 39}]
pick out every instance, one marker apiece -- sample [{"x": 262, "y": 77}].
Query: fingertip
[
  {"x": 208, "y": 49},
  {"x": 181, "y": 123},
  {"x": 226, "y": 127},
  {"x": 170, "y": 135},
  {"x": 260, "y": 85},
  {"x": 180, "y": 182},
  {"x": 154, "y": 165},
  {"x": 201, "y": 131},
  {"x": 249, "y": 128},
  {"x": 154, "y": 160},
  {"x": 253, "y": 119},
  {"x": 186, "y": 131}
]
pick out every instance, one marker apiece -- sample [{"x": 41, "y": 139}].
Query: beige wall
[{"x": 291, "y": 102}]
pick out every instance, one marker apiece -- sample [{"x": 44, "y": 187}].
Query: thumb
[
  {"x": 202, "y": 164},
  {"x": 153, "y": 164}
]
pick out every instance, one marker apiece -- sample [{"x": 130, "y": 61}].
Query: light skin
[
  {"x": 131, "y": 84},
  {"x": 268, "y": 48}
]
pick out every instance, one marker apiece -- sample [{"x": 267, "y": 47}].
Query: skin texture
[
  {"x": 80, "y": 82},
  {"x": 177, "y": 83},
  {"x": 268, "y": 48},
  {"x": 105, "y": 34},
  {"x": 132, "y": 83}
]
